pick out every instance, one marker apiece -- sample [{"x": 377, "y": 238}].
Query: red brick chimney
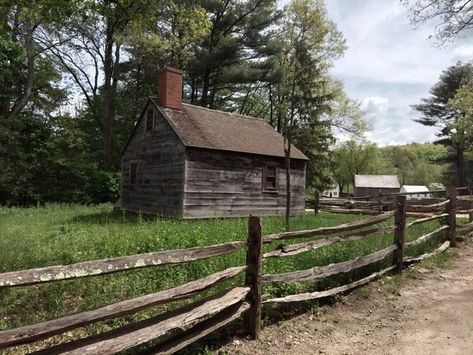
[{"x": 170, "y": 88}]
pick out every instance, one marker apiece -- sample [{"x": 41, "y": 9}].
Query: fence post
[
  {"x": 451, "y": 218},
  {"x": 316, "y": 202},
  {"x": 253, "y": 276},
  {"x": 470, "y": 204},
  {"x": 400, "y": 222}
]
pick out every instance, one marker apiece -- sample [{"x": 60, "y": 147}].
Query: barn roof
[
  {"x": 377, "y": 181},
  {"x": 212, "y": 129},
  {"x": 415, "y": 188}
]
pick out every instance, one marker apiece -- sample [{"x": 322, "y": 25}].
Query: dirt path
[{"x": 427, "y": 311}]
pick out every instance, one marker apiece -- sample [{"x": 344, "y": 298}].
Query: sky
[{"x": 390, "y": 65}]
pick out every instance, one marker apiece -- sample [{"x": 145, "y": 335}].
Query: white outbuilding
[
  {"x": 332, "y": 191},
  {"x": 416, "y": 192}
]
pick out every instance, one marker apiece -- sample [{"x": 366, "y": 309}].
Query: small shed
[
  {"x": 416, "y": 192},
  {"x": 373, "y": 185},
  {"x": 188, "y": 161},
  {"x": 332, "y": 191}
]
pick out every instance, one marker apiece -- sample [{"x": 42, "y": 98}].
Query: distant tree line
[{"x": 414, "y": 164}]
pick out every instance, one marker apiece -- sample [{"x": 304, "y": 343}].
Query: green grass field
[{"x": 64, "y": 234}]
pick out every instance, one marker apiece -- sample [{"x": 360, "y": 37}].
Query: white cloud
[
  {"x": 390, "y": 66},
  {"x": 464, "y": 51},
  {"x": 375, "y": 104}
]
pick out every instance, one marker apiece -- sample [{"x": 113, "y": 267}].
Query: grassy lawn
[{"x": 64, "y": 234}]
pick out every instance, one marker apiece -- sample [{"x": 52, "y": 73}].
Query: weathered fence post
[
  {"x": 316, "y": 202},
  {"x": 253, "y": 276},
  {"x": 451, "y": 218},
  {"x": 400, "y": 222}
]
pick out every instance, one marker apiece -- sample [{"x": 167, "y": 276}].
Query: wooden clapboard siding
[
  {"x": 220, "y": 184},
  {"x": 372, "y": 191},
  {"x": 160, "y": 180}
]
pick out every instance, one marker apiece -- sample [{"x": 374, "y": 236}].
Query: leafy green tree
[
  {"x": 436, "y": 112},
  {"x": 415, "y": 164},
  {"x": 103, "y": 33},
  {"x": 235, "y": 57},
  {"x": 22, "y": 55},
  {"x": 310, "y": 43},
  {"x": 462, "y": 106},
  {"x": 354, "y": 157}
]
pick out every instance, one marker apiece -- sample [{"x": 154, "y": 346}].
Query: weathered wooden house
[
  {"x": 187, "y": 161},
  {"x": 373, "y": 185}
]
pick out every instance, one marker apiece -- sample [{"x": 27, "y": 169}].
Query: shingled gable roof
[
  {"x": 377, "y": 181},
  {"x": 212, "y": 129}
]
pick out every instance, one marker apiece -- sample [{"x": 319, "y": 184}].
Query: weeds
[{"x": 440, "y": 261}]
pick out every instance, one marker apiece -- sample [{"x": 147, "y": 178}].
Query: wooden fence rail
[
  {"x": 43, "y": 330},
  {"x": 193, "y": 321},
  {"x": 107, "y": 266}
]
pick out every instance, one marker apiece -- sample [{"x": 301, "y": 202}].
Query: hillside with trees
[{"x": 414, "y": 164}]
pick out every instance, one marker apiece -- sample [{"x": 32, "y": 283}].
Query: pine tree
[
  {"x": 235, "y": 55},
  {"x": 437, "y": 113}
]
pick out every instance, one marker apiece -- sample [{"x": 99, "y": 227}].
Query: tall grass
[{"x": 64, "y": 234}]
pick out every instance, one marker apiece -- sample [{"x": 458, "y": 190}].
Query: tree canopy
[
  {"x": 440, "y": 111},
  {"x": 451, "y": 17},
  {"x": 74, "y": 76}
]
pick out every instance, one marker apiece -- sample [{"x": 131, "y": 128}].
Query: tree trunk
[
  {"x": 271, "y": 106},
  {"x": 279, "y": 117},
  {"x": 287, "y": 153},
  {"x": 109, "y": 97},
  {"x": 193, "y": 90},
  {"x": 30, "y": 61},
  {"x": 205, "y": 89},
  {"x": 460, "y": 166}
]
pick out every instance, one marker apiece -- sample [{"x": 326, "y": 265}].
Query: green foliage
[
  {"x": 354, "y": 157},
  {"x": 11, "y": 68},
  {"x": 305, "y": 95},
  {"x": 415, "y": 164},
  {"x": 461, "y": 104},
  {"x": 42, "y": 161},
  {"x": 436, "y": 111},
  {"x": 235, "y": 57}
]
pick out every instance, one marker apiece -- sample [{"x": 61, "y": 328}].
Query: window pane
[{"x": 270, "y": 178}]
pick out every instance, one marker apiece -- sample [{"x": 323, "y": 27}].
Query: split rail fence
[
  {"x": 192, "y": 322},
  {"x": 373, "y": 205}
]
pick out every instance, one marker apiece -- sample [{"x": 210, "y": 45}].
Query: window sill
[{"x": 270, "y": 191}]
